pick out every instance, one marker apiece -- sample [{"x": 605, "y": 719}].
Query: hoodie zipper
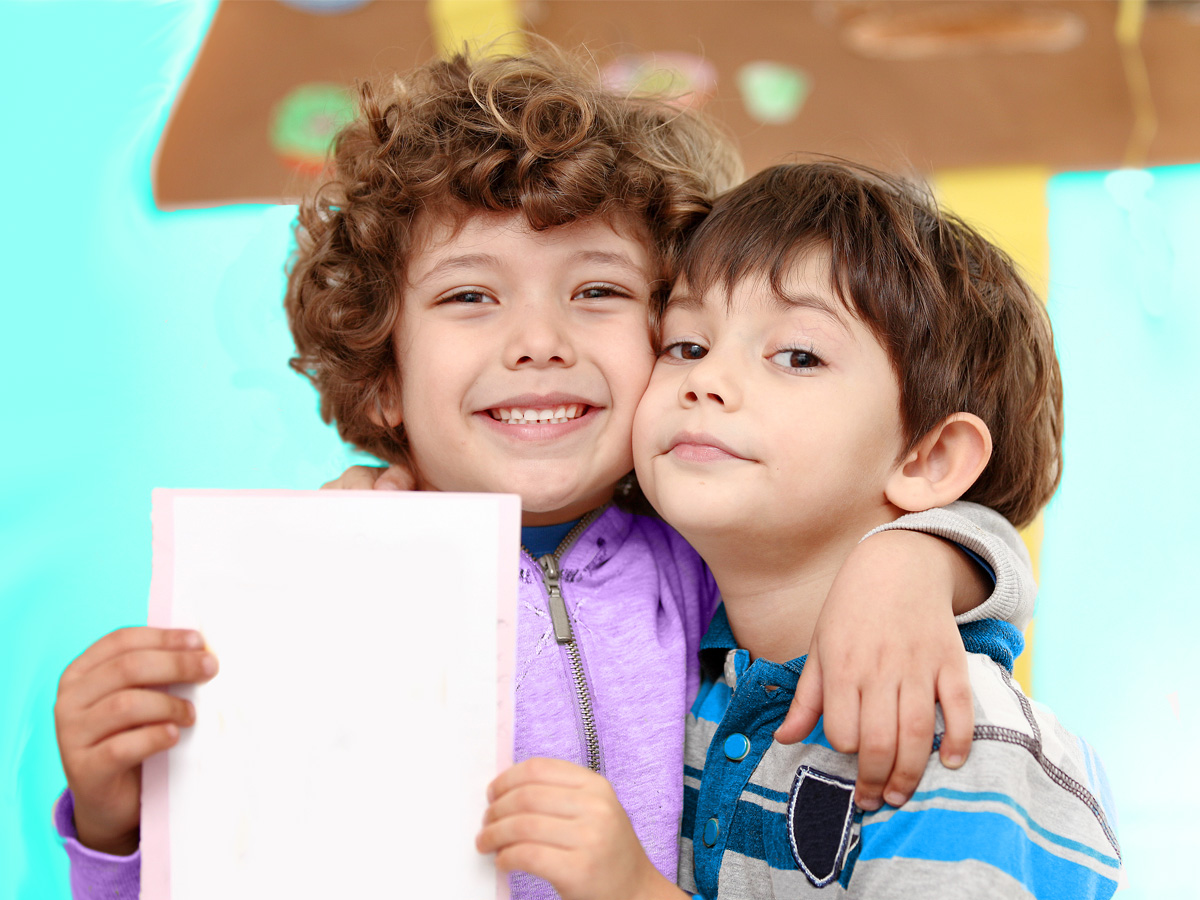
[{"x": 565, "y": 636}]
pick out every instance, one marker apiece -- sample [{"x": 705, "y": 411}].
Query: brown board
[{"x": 904, "y": 84}]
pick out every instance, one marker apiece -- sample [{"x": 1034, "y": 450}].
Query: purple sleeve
[{"x": 95, "y": 874}]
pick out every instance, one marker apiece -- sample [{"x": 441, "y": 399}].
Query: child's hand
[
  {"x": 562, "y": 822},
  {"x": 365, "y": 478},
  {"x": 109, "y": 718},
  {"x": 885, "y": 647}
]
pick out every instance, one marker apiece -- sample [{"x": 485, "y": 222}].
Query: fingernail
[
  {"x": 193, "y": 640},
  {"x": 954, "y": 760},
  {"x": 870, "y": 804},
  {"x": 208, "y": 665},
  {"x": 893, "y": 798},
  {"x": 172, "y": 730},
  {"x": 190, "y": 708}
]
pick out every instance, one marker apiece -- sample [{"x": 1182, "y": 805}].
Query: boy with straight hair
[{"x": 837, "y": 353}]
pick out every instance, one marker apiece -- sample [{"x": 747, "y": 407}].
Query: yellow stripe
[
  {"x": 1009, "y": 206},
  {"x": 490, "y": 26}
]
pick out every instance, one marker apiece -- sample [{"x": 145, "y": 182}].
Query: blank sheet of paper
[{"x": 364, "y": 699}]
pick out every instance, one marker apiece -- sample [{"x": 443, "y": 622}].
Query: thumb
[
  {"x": 396, "y": 478},
  {"x": 805, "y": 711}
]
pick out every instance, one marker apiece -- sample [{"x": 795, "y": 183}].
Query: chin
[{"x": 694, "y": 516}]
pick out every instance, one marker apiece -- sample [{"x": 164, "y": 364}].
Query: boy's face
[
  {"x": 522, "y": 357},
  {"x": 769, "y": 420}
]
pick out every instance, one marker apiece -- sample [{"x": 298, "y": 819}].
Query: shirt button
[
  {"x": 736, "y": 747},
  {"x": 712, "y": 831}
]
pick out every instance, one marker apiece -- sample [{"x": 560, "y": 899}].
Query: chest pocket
[{"x": 818, "y": 832}]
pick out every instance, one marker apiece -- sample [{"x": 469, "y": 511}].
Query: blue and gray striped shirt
[{"x": 1027, "y": 816}]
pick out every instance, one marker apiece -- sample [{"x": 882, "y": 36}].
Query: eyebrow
[
  {"x": 457, "y": 263},
  {"x": 489, "y": 260},
  {"x": 690, "y": 302},
  {"x": 782, "y": 302},
  {"x": 609, "y": 258}
]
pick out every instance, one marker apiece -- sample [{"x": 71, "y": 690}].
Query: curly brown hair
[
  {"x": 534, "y": 133},
  {"x": 962, "y": 329}
]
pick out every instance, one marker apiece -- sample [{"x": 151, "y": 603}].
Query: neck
[{"x": 774, "y": 592}]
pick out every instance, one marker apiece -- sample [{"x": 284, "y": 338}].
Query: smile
[{"x": 552, "y": 416}]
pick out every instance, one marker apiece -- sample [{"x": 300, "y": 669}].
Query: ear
[
  {"x": 388, "y": 413},
  {"x": 943, "y": 466}
]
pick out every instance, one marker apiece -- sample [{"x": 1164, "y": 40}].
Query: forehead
[{"x": 465, "y": 233}]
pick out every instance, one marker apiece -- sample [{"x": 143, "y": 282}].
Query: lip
[
  {"x": 549, "y": 431},
  {"x": 539, "y": 401},
  {"x": 701, "y": 447}
]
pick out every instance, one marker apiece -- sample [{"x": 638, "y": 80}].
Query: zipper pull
[{"x": 558, "y": 608}]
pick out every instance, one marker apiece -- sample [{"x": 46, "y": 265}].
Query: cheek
[
  {"x": 629, "y": 364},
  {"x": 657, "y": 399}
]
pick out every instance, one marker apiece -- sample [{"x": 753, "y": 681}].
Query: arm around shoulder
[{"x": 993, "y": 538}]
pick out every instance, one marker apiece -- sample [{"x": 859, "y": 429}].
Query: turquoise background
[{"x": 149, "y": 349}]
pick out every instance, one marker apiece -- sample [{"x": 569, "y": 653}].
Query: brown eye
[
  {"x": 796, "y": 359},
  {"x": 688, "y": 351}
]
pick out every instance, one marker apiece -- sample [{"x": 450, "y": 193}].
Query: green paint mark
[{"x": 773, "y": 93}]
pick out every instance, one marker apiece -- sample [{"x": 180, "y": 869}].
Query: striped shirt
[{"x": 1027, "y": 816}]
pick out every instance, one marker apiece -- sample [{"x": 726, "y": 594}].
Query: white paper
[{"x": 363, "y": 702}]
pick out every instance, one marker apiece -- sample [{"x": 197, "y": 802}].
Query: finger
[
  {"x": 958, "y": 711},
  {"x": 550, "y": 863},
  {"x": 917, "y": 720},
  {"x": 126, "y": 640},
  {"x": 538, "y": 770},
  {"x": 805, "y": 711},
  {"x": 122, "y": 752},
  {"x": 145, "y": 668},
  {"x": 553, "y": 801},
  {"x": 877, "y": 745},
  {"x": 396, "y": 478},
  {"x": 843, "y": 710},
  {"x": 124, "y": 710},
  {"x": 525, "y": 828},
  {"x": 355, "y": 478}
]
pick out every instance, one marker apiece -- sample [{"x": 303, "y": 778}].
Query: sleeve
[
  {"x": 992, "y": 537},
  {"x": 95, "y": 874}
]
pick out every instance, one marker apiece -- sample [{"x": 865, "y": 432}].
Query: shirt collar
[{"x": 719, "y": 640}]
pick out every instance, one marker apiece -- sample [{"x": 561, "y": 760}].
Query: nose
[
  {"x": 539, "y": 339},
  {"x": 711, "y": 380}
]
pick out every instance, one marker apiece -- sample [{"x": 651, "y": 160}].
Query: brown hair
[
  {"x": 963, "y": 331},
  {"x": 535, "y": 134}
]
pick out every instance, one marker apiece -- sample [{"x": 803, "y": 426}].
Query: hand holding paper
[
  {"x": 109, "y": 718},
  {"x": 563, "y": 822}
]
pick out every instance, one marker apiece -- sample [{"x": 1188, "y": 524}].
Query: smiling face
[
  {"x": 769, "y": 420},
  {"x": 522, "y": 356}
]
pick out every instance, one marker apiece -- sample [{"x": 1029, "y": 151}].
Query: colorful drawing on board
[
  {"x": 690, "y": 80},
  {"x": 305, "y": 122},
  {"x": 773, "y": 93}
]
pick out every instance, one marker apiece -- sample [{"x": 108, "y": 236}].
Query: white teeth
[{"x": 556, "y": 416}]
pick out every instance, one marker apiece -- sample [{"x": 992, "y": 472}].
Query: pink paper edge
[
  {"x": 506, "y": 644},
  {"x": 155, "y": 833}
]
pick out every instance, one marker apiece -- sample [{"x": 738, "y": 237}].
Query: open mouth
[{"x": 557, "y": 415}]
